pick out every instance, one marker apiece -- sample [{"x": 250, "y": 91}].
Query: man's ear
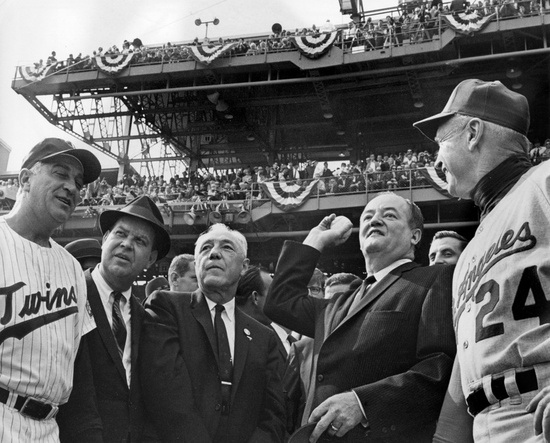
[
  {"x": 416, "y": 236},
  {"x": 24, "y": 178},
  {"x": 476, "y": 128},
  {"x": 152, "y": 258},
  {"x": 254, "y": 296},
  {"x": 246, "y": 262}
]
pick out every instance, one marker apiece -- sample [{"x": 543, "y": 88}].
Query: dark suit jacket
[
  {"x": 179, "y": 374},
  {"x": 120, "y": 407},
  {"x": 395, "y": 350}
]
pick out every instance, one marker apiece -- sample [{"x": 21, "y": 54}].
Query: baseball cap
[
  {"x": 84, "y": 248},
  {"x": 490, "y": 101},
  {"x": 52, "y": 147}
]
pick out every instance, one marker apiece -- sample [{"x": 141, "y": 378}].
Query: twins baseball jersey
[
  {"x": 501, "y": 285},
  {"x": 42, "y": 317}
]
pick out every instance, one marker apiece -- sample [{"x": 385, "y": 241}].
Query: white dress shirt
[
  {"x": 283, "y": 336},
  {"x": 105, "y": 293}
]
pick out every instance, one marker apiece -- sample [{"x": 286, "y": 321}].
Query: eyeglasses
[
  {"x": 315, "y": 289},
  {"x": 452, "y": 133}
]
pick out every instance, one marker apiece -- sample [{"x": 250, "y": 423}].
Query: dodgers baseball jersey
[
  {"x": 501, "y": 285},
  {"x": 42, "y": 317}
]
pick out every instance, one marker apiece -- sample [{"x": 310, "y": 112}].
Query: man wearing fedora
[{"x": 134, "y": 238}]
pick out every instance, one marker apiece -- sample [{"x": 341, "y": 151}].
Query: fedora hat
[{"x": 145, "y": 209}]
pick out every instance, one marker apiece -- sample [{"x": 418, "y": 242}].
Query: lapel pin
[{"x": 247, "y": 333}]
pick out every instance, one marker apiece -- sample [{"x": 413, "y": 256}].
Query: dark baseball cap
[
  {"x": 490, "y": 101},
  {"x": 84, "y": 248},
  {"x": 52, "y": 147}
]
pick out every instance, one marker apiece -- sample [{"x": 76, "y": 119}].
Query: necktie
[
  {"x": 360, "y": 294},
  {"x": 290, "y": 339},
  {"x": 119, "y": 328},
  {"x": 225, "y": 365}
]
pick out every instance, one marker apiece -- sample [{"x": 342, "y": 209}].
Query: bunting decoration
[
  {"x": 467, "y": 22},
  {"x": 207, "y": 54},
  {"x": 287, "y": 197},
  {"x": 436, "y": 178},
  {"x": 113, "y": 64},
  {"x": 32, "y": 74},
  {"x": 315, "y": 46}
]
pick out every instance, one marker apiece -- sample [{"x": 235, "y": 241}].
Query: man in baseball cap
[
  {"x": 43, "y": 292},
  {"x": 134, "y": 238},
  {"x": 86, "y": 250},
  {"x": 500, "y": 283},
  {"x": 476, "y": 111}
]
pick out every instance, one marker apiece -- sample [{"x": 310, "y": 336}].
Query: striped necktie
[
  {"x": 119, "y": 328},
  {"x": 360, "y": 294}
]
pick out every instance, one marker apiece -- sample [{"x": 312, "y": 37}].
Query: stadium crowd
[
  {"x": 414, "y": 22},
  {"x": 376, "y": 173}
]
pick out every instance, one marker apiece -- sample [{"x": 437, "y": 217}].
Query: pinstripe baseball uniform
[{"x": 42, "y": 317}]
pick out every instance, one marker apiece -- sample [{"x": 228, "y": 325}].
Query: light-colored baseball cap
[{"x": 490, "y": 101}]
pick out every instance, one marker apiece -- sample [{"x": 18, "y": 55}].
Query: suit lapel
[
  {"x": 103, "y": 326},
  {"x": 200, "y": 311},
  {"x": 280, "y": 344},
  {"x": 136, "y": 319},
  {"x": 242, "y": 342},
  {"x": 376, "y": 291}
]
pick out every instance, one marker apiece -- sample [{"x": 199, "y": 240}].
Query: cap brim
[
  {"x": 91, "y": 168},
  {"x": 430, "y": 125}
]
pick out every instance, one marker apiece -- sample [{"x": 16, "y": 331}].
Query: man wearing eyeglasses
[
  {"x": 502, "y": 279},
  {"x": 316, "y": 285}
]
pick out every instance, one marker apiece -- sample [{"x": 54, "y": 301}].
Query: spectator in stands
[
  {"x": 446, "y": 248},
  {"x": 181, "y": 274}
]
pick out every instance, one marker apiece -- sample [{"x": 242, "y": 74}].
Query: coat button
[
  {"x": 392, "y": 427},
  {"x": 465, "y": 344},
  {"x": 320, "y": 377},
  {"x": 218, "y": 407},
  {"x": 384, "y": 430}
]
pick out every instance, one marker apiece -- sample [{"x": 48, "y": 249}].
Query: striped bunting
[
  {"x": 31, "y": 74},
  {"x": 207, "y": 54},
  {"x": 467, "y": 23},
  {"x": 436, "y": 178},
  {"x": 287, "y": 197},
  {"x": 315, "y": 47},
  {"x": 113, "y": 63}
]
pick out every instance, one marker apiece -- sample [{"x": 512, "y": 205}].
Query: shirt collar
[
  {"x": 283, "y": 335},
  {"x": 383, "y": 272},
  {"x": 229, "y": 307},
  {"x": 103, "y": 287}
]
